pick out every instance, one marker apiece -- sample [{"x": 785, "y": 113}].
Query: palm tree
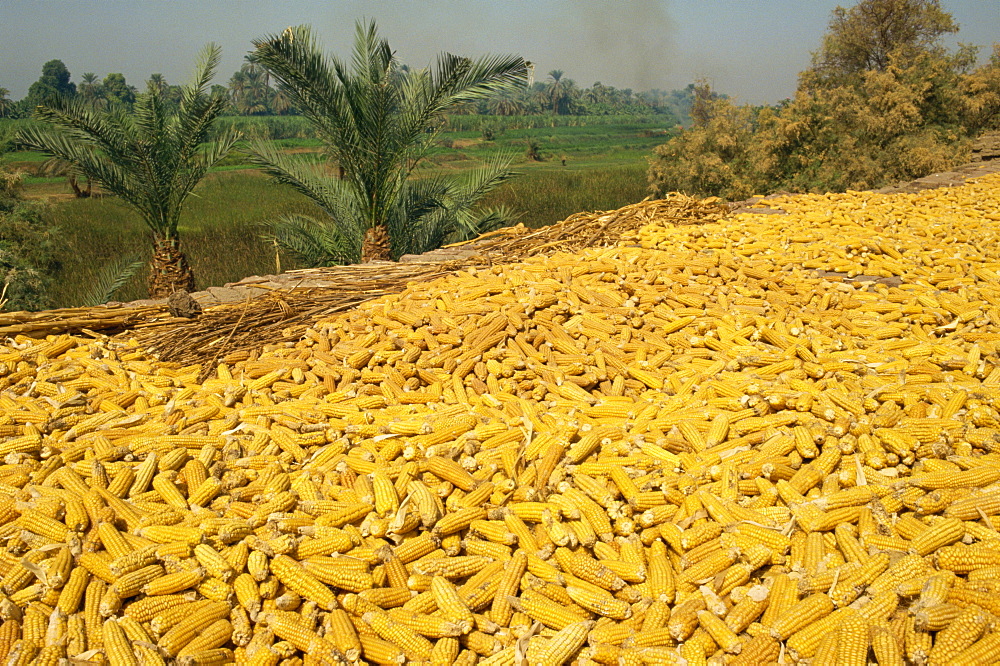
[
  {"x": 5, "y": 102},
  {"x": 90, "y": 89},
  {"x": 258, "y": 89},
  {"x": 561, "y": 91},
  {"x": 237, "y": 89},
  {"x": 157, "y": 82},
  {"x": 506, "y": 105},
  {"x": 249, "y": 89},
  {"x": 152, "y": 159},
  {"x": 377, "y": 122},
  {"x": 555, "y": 88},
  {"x": 280, "y": 103}
]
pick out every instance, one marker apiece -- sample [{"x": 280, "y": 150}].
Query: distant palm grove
[{"x": 251, "y": 92}]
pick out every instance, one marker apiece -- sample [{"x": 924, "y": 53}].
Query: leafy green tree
[
  {"x": 280, "y": 104},
  {"x": 561, "y": 92},
  {"x": 54, "y": 83},
  {"x": 377, "y": 122},
  {"x": 506, "y": 105},
  {"x": 27, "y": 244},
  {"x": 249, "y": 90},
  {"x": 716, "y": 156},
  {"x": 150, "y": 158},
  {"x": 158, "y": 83},
  {"x": 981, "y": 94},
  {"x": 117, "y": 91},
  {"x": 872, "y": 33},
  {"x": 237, "y": 88}
]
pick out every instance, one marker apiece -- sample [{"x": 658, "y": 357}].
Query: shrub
[{"x": 27, "y": 255}]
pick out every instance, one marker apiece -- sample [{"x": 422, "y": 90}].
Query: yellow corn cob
[
  {"x": 212, "y": 637},
  {"x": 184, "y": 631},
  {"x": 564, "y": 644},
  {"x": 213, "y": 562},
  {"x": 173, "y": 583},
  {"x": 118, "y": 647},
  {"x": 599, "y": 602},
  {"x": 543, "y": 610},
  {"x": 802, "y": 614},
  {"x": 291, "y": 628},
  {"x": 334, "y": 573},
  {"x": 296, "y": 578},
  {"x": 431, "y": 626},
  {"x": 414, "y": 645},
  {"x": 945, "y": 533},
  {"x": 963, "y": 631},
  {"x": 452, "y": 567}
]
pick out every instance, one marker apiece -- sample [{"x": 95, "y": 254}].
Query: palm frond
[
  {"x": 414, "y": 225},
  {"x": 110, "y": 278},
  {"x": 336, "y": 198},
  {"x": 486, "y": 220},
  {"x": 315, "y": 243},
  {"x": 304, "y": 75},
  {"x": 464, "y": 220},
  {"x": 109, "y": 175},
  {"x": 485, "y": 179},
  {"x": 456, "y": 80},
  {"x": 490, "y": 75}
]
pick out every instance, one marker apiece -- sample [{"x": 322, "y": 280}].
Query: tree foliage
[
  {"x": 54, "y": 84},
  {"x": 6, "y": 104},
  {"x": 873, "y": 33},
  {"x": 377, "y": 121},
  {"x": 717, "y": 154},
  {"x": 117, "y": 91},
  {"x": 28, "y": 246},
  {"x": 883, "y": 101}
]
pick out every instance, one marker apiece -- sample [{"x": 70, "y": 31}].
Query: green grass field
[{"x": 605, "y": 169}]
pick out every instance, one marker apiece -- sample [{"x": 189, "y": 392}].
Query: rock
[
  {"x": 181, "y": 304},
  {"x": 227, "y": 295},
  {"x": 986, "y": 147}
]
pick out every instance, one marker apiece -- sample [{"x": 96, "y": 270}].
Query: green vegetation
[
  {"x": 251, "y": 94},
  {"x": 150, "y": 158},
  {"x": 28, "y": 245},
  {"x": 883, "y": 101},
  {"x": 543, "y": 196},
  {"x": 219, "y": 224}
]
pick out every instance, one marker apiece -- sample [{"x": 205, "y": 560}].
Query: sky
[{"x": 751, "y": 50}]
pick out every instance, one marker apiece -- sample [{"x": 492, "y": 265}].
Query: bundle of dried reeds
[
  {"x": 76, "y": 320},
  {"x": 593, "y": 229}
]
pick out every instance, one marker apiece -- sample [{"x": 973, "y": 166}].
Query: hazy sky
[{"x": 749, "y": 49}]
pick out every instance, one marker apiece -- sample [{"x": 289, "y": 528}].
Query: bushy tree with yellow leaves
[{"x": 883, "y": 101}]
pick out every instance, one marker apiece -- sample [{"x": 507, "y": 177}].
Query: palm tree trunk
[
  {"x": 169, "y": 269},
  {"x": 376, "y": 245}
]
